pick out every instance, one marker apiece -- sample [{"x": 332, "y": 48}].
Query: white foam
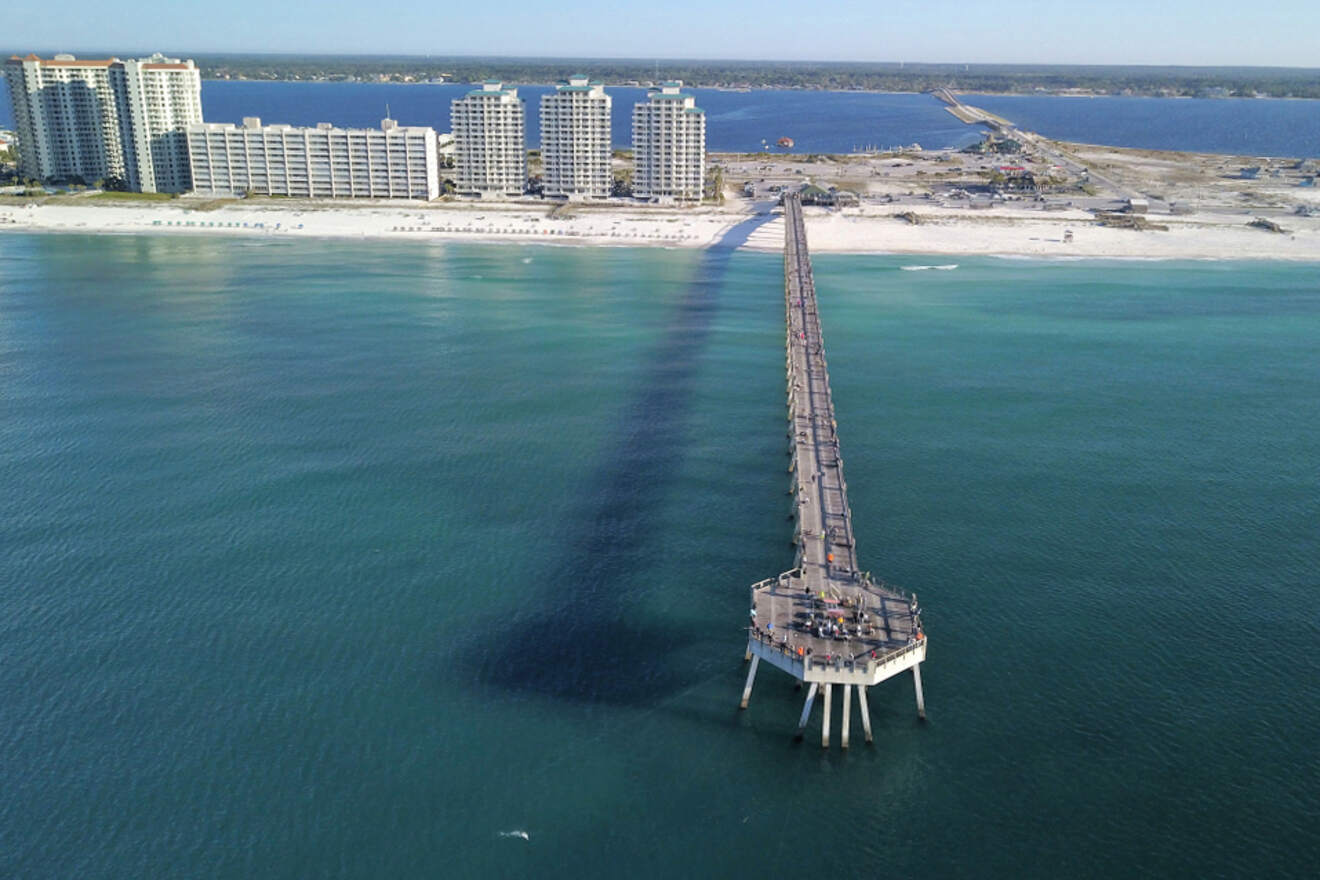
[
  {"x": 523, "y": 835},
  {"x": 943, "y": 268}
]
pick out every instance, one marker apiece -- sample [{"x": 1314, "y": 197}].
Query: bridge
[
  {"x": 969, "y": 114},
  {"x": 825, "y": 621}
]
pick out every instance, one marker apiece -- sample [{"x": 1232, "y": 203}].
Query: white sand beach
[{"x": 939, "y": 230}]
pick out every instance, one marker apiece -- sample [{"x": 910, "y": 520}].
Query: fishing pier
[{"x": 824, "y": 621}]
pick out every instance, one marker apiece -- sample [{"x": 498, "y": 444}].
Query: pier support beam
[
  {"x": 825, "y": 721},
  {"x": 866, "y": 711},
  {"x": 806, "y": 709},
  {"x": 847, "y": 716},
  {"x": 751, "y": 677},
  {"x": 921, "y": 698}
]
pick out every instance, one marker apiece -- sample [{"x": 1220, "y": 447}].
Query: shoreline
[
  {"x": 787, "y": 88},
  {"x": 944, "y": 232}
]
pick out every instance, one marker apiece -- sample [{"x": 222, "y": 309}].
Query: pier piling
[
  {"x": 865, "y": 710},
  {"x": 847, "y": 715},
  {"x": 825, "y": 719},
  {"x": 751, "y": 677},
  {"x": 806, "y": 710}
]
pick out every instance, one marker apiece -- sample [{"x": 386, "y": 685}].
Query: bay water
[
  {"x": 1236, "y": 126},
  {"x": 818, "y": 121},
  {"x": 400, "y": 559},
  {"x": 823, "y": 121}
]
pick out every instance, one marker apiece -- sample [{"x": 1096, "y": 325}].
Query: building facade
[
  {"x": 164, "y": 97},
  {"x": 394, "y": 161},
  {"x": 490, "y": 141},
  {"x": 669, "y": 146},
  {"x": 105, "y": 119},
  {"x": 575, "y": 140}
]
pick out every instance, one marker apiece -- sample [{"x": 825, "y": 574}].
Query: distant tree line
[
  {"x": 1278, "y": 82},
  {"x": 843, "y": 76}
]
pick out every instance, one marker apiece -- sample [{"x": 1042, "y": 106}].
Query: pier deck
[{"x": 824, "y": 621}]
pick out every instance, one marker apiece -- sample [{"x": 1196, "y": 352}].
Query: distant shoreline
[{"x": 731, "y": 90}]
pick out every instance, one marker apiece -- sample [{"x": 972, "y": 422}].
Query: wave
[
  {"x": 942, "y": 268},
  {"x": 519, "y": 834}
]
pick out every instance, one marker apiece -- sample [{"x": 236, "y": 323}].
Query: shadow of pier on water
[{"x": 587, "y": 643}]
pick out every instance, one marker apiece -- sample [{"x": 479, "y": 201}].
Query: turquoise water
[{"x": 342, "y": 559}]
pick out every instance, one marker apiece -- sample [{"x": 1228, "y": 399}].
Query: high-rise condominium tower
[
  {"x": 669, "y": 143},
  {"x": 490, "y": 141},
  {"x": 102, "y": 119},
  {"x": 575, "y": 140}
]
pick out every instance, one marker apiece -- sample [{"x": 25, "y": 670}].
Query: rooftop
[
  {"x": 155, "y": 62},
  {"x": 253, "y": 123},
  {"x": 64, "y": 61}
]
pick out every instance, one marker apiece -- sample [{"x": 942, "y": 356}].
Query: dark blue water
[
  {"x": 338, "y": 559},
  {"x": 1251, "y": 127},
  {"x": 823, "y": 122},
  {"x": 828, "y": 122}
]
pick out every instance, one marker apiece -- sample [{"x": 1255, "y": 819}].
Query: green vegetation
[
  {"x": 1278, "y": 82},
  {"x": 714, "y": 189},
  {"x": 211, "y": 204},
  {"x": 8, "y": 165},
  {"x": 134, "y": 196},
  {"x": 621, "y": 183},
  {"x": 843, "y": 76}
]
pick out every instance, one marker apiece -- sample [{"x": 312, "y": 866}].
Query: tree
[
  {"x": 716, "y": 184},
  {"x": 621, "y": 185}
]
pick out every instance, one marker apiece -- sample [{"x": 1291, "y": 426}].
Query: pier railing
[{"x": 865, "y": 665}]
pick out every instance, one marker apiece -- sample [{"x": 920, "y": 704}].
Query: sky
[{"x": 1284, "y": 33}]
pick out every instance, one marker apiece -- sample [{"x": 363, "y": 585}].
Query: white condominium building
[
  {"x": 395, "y": 161},
  {"x": 102, "y": 119},
  {"x": 490, "y": 141},
  {"x": 67, "y": 117},
  {"x": 575, "y": 140},
  {"x": 164, "y": 98},
  {"x": 669, "y": 143}
]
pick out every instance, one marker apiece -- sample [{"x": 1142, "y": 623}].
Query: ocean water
[{"x": 369, "y": 559}]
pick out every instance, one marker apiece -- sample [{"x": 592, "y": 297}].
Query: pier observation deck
[{"x": 825, "y": 621}]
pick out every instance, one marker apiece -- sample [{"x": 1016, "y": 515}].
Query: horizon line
[{"x": 282, "y": 53}]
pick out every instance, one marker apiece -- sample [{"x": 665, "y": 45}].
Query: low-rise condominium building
[{"x": 393, "y": 161}]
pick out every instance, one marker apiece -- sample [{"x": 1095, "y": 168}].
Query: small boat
[{"x": 785, "y": 142}]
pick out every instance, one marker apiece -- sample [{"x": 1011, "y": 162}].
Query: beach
[{"x": 938, "y": 230}]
